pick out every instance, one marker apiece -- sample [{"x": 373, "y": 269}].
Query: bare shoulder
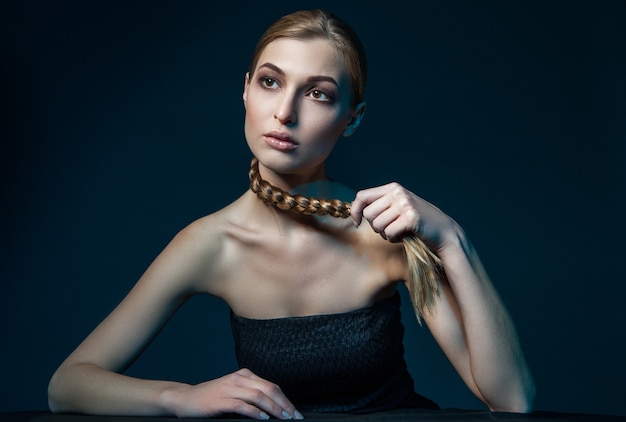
[
  {"x": 193, "y": 259},
  {"x": 207, "y": 233}
]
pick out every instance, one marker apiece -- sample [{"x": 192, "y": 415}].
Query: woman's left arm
[{"x": 470, "y": 322}]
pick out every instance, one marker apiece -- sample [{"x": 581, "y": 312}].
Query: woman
[{"x": 314, "y": 299}]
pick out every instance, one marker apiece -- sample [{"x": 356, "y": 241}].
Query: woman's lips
[{"x": 280, "y": 141}]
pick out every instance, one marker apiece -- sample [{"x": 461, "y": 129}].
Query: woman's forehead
[{"x": 314, "y": 57}]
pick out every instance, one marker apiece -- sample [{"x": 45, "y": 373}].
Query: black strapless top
[{"x": 351, "y": 362}]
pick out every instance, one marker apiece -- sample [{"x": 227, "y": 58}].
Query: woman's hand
[
  {"x": 394, "y": 211},
  {"x": 241, "y": 392}
]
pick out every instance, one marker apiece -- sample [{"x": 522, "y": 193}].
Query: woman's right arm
[{"x": 90, "y": 380}]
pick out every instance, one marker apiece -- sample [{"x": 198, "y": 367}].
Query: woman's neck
[
  {"x": 310, "y": 203},
  {"x": 325, "y": 189},
  {"x": 291, "y": 180},
  {"x": 313, "y": 184}
]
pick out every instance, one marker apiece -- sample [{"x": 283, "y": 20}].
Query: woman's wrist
[
  {"x": 450, "y": 239},
  {"x": 170, "y": 398}
]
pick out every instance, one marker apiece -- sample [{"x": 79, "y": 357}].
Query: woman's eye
[
  {"x": 269, "y": 82},
  {"x": 319, "y": 95}
]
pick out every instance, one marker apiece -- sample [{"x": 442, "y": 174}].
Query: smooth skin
[{"x": 258, "y": 259}]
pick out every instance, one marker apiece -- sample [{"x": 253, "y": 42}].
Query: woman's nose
[{"x": 286, "y": 111}]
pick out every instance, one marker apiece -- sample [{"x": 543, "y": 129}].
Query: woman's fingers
[
  {"x": 240, "y": 392},
  {"x": 390, "y": 210},
  {"x": 257, "y": 404},
  {"x": 264, "y": 395},
  {"x": 243, "y": 408},
  {"x": 366, "y": 198}
]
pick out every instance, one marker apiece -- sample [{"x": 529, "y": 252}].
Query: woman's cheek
[{"x": 335, "y": 125}]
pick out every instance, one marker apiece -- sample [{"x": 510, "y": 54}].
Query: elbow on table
[
  {"x": 55, "y": 395},
  {"x": 53, "y": 405},
  {"x": 53, "y": 402},
  {"x": 519, "y": 403}
]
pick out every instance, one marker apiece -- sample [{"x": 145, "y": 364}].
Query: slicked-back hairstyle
[{"x": 321, "y": 24}]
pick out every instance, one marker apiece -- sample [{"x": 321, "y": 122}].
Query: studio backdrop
[{"x": 122, "y": 122}]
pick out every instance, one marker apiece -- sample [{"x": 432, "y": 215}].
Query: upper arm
[{"x": 172, "y": 277}]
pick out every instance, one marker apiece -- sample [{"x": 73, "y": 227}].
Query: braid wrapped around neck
[
  {"x": 295, "y": 203},
  {"x": 424, "y": 266}
]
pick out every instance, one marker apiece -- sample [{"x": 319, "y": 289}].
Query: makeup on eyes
[{"x": 270, "y": 72}]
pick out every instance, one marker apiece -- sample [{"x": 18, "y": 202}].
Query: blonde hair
[
  {"x": 320, "y": 24},
  {"x": 423, "y": 265}
]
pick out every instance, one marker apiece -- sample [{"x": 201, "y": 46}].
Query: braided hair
[{"x": 424, "y": 266}]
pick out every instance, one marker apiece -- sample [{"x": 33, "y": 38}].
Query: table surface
[{"x": 403, "y": 415}]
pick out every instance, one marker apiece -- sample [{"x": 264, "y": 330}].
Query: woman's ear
[
  {"x": 246, "y": 84},
  {"x": 355, "y": 121}
]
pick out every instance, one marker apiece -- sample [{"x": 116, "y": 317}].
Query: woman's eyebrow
[
  {"x": 273, "y": 67},
  {"x": 321, "y": 78},
  {"x": 278, "y": 70}
]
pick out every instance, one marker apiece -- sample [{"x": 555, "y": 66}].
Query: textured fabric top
[{"x": 351, "y": 362}]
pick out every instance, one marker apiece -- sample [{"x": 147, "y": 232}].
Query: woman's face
[{"x": 298, "y": 103}]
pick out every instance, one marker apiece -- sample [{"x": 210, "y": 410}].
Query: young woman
[{"x": 315, "y": 307}]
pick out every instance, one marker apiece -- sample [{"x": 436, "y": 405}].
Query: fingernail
[
  {"x": 287, "y": 415},
  {"x": 297, "y": 415},
  {"x": 264, "y": 415}
]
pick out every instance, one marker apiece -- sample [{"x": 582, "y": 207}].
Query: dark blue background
[{"x": 121, "y": 122}]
